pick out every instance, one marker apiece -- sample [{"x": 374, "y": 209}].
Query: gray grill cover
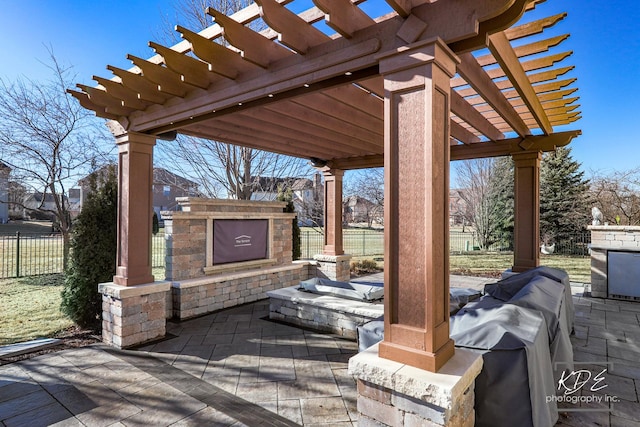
[
  {"x": 517, "y": 375},
  {"x": 505, "y": 289}
]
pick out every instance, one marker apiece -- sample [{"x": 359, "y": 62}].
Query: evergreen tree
[
  {"x": 503, "y": 200},
  {"x": 564, "y": 197},
  {"x": 155, "y": 224},
  {"x": 93, "y": 253},
  {"x": 287, "y": 196}
]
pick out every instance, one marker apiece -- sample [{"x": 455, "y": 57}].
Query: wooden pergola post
[
  {"x": 135, "y": 210},
  {"x": 333, "y": 244},
  {"x": 526, "y": 248},
  {"x": 416, "y": 110}
]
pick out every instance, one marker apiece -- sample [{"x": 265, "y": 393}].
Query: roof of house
[
  {"x": 271, "y": 184},
  {"x": 163, "y": 176},
  {"x": 38, "y": 196},
  {"x": 160, "y": 176}
]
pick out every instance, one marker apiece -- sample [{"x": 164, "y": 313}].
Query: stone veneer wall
[
  {"x": 394, "y": 394},
  {"x": 133, "y": 315},
  {"x": 322, "y": 312},
  {"x": 332, "y": 267},
  {"x": 198, "y": 286},
  {"x": 605, "y": 238},
  {"x": 199, "y": 296},
  {"x": 188, "y": 235}
]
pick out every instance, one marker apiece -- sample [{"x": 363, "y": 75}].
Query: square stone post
[
  {"x": 526, "y": 230},
  {"x": 135, "y": 210},
  {"x": 134, "y": 307},
  {"x": 416, "y": 107}
]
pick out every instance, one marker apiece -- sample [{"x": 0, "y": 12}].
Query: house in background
[
  {"x": 4, "y": 193},
  {"x": 41, "y": 206},
  {"x": 457, "y": 207},
  {"x": 166, "y": 187},
  {"x": 74, "y": 201},
  {"x": 308, "y": 195},
  {"x": 357, "y": 209}
]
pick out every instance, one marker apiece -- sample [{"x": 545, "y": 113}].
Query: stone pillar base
[
  {"x": 333, "y": 267},
  {"x": 133, "y": 315},
  {"x": 599, "y": 276},
  {"x": 394, "y": 394}
]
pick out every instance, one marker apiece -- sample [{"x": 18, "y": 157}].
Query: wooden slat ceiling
[{"x": 295, "y": 90}]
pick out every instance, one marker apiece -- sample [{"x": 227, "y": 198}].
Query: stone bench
[{"x": 321, "y": 312}]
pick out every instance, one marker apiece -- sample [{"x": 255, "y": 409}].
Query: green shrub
[
  {"x": 93, "y": 254},
  {"x": 155, "y": 224},
  {"x": 287, "y": 196}
]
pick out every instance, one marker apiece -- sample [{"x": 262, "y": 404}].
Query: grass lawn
[
  {"x": 492, "y": 264},
  {"x": 30, "y": 308}
]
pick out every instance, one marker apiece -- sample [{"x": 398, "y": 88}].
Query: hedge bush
[{"x": 93, "y": 253}]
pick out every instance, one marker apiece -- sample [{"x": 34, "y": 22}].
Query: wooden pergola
[{"x": 410, "y": 91}]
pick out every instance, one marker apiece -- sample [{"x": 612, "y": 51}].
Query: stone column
[
  {"x": 134, "y": 307},
  {"x": 526, "y": 236},
  {"x": 135, "y": 210},
  {"x": 416, "y": 107},
  {"x": 333, "y": 264}
]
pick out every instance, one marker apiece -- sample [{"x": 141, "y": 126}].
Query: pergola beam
[
  {"x": 461, "y": 133},
  {"x": 478, "y": 79},
  {"x": 501, "y": 48},
  {"x": 461, "y": 108},
  {"x": 512, "y": 146}
]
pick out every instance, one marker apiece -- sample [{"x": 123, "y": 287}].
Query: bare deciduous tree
[
  {"x": 48, "y": 140},
  {"x": 369, "y": 184},
  {"x": 225, "y": 170},
  {"x": 617, "y": 194},
  {"x": 222, "y": 170},
  {"x": 475, "y": 188}
]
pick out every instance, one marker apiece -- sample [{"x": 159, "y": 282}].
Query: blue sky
[{"x": 605, "y": 38}]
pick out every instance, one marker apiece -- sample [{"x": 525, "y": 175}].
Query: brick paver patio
[{"x": 236, "y": 367}]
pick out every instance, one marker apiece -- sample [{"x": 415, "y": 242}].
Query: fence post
[
  {"x": 364, "y": 243},
  {"x": 306, "y": 244},
  {"x": 17, "y": 254}
]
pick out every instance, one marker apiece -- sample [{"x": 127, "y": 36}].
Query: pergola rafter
[{"x": 504, "y": 90}]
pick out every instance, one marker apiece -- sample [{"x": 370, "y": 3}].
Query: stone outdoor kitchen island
[{"x": 410, "y": 90}]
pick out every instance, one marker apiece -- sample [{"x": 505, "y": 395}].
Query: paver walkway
[
  {"x": 237, "y": 368},
  {"x": 231, "y": 368}
]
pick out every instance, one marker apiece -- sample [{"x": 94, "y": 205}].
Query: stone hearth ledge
[
  {"x": 120, "y": 292},
  {"x": 442, "y": 394}
]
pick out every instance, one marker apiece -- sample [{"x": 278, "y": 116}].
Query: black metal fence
[
  {"x": 33, "y": 254},
  {"x": 575, "y": 244},
  {"x": 30, "y": 254},
  {"x": 356, "y": 242}
]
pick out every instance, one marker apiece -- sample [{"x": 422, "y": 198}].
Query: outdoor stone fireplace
[
  {"x": 615, "y": 262},
  {"x": 203, "y": 278}
]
